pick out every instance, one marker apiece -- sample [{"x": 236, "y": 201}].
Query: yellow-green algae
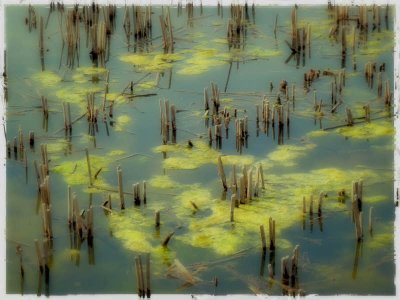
[
  {"x": 122, "y": 122},
  {"x": 374, "y": 129},
  {"x": 287, "y": 155},
  {"x": 47, "y": 78},
  {"x": 163, "y": 182},
  {"x": 201, "y": 197},
  {"x": 116, "y": 97},
  {"x": 77, "y": 93},
  {"x": 184, "y": 158},
  {"x": 76, "y": 172},
  {"x": 215, "y": 232},
  {"x": 317, "y": 133},
  {"x": 135, "y": 229},
  {"x": 90, "y": 71},
  {"x": 60, "y": 145},
  {"x": 379, "y": 43},
  {"x": 381, "y": 240},
  {"x": 156, "y": 62},
  {"x": 374, "y": 198}
]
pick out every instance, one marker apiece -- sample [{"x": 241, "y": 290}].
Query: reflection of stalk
[{"x": 356, "y": 257}]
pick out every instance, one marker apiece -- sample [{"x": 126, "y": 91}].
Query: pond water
[{"x": 316, "y": 152}]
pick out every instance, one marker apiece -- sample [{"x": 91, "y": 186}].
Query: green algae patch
[
  {"x": 223, "y": 241},
  {"x": 381, "y": 240},
  {"x": 375, "y": 199},
  {"x": 201, "y": 61},
  {"x": 47, "y": 78},
  {"x": 237, "y": 159},
  {"x": 217, "y": 233},
  {"x": 157, "y": 62},
  {"x": 191, "y": 158},
  {"x": 132, "y": 228},
  {"x": 287, "y": 155},
  {"x": 260, "y": 53},
  {"x": 317, "y": 133},
  {"x": 167, "y": 148},
  {"x": 122, "y": 122},
  {"x": 184, "y": 158},
  {"x": 147, "y": 85},
  {"x": 76, "y": 172},
  {"x": 135, "y": 229},
  {"x": 77, "y": 94},
  {"x": 163, "y": 182},
  {"x": 379, "y": 43},
  {"x": 375, "y": 129},
  {"x": 115, "y": 97},
  {"x": 90, "y": 71},
  {"x": 200, "y": 197},
  {"x": 136, "y": 59},
  {"x": 58, "y": 146}
]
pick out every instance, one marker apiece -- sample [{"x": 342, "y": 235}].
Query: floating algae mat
[{"x": 210, "y": 150}]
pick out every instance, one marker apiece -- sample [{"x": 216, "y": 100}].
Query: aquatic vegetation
[
  {"x": 121, "y": 122},
  {"x": 90, "y": 71},
  {"x": 379, "y": 43},
  {"x": 184, "y": 158},
  {"x": 77, "y": 94},
  {"x": 375, "y": 129},
  {"x": 381, "y": 240},
  {"x": 134, "y": 229},
  {"x": 116, "y": 97},
  {"x": 287, "y": 155},
  {"x": 156, "y": 62},
  {"x": 163, "y": 182},
  {"x": 374, "y": 198},
  {"x": 200, "y": 197},
  {"x": 76, "y": 172},
  {"x": 60, "y": 145},
  {"x": 47, "y": 78},
  {"x": 317, "y": 133}
]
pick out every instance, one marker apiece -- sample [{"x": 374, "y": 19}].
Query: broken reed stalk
[
  {"x": 250, "y": 185},
  {"x": 39, "y": 256},
  {"x": 70, "y": 209},
  {"x": 357, "y": 208},
  {"x": 263, "y": 240},
  {"x": 380, "y": 84},
  {"x": 157, "y": 219},
  {"x": 350, "y": 121},
  {"x": 139, "y": 278},
  {"x": 89, "y": 224},
  {"x": 45, "y": 107},
  {"x": 285, "y": 270},
  {"x": 221, "y": 173},
  {"x": 120, "y": 187},
  {"x": 233, "y": 204},
  {"x": 388, "y": 94},
  {"x": 272, "y": 231},
  {"x": 148, "y": 280},
  {"x": 321, "y": 195},
  {"x": 77, "y": 216},
  {"x": 295, "y": 263},
  {"x": 370, "y": 220},
  {"x": 367, "y": 113},
  {"x": 41, "y": 43},
  {"x": 167, "y": 239},
  {"x": 89, "y": 167}
]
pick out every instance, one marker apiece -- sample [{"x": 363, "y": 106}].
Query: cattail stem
[
  {"x": 120, "y": 187},
  {"x": 263, "y": 240},
  {"x": 221, "y": 173}
]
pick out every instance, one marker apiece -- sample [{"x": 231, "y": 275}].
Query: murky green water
[{"x": 303, "y": 162}]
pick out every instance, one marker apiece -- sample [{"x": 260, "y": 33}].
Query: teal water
[{"x": 328, "y": 261}]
